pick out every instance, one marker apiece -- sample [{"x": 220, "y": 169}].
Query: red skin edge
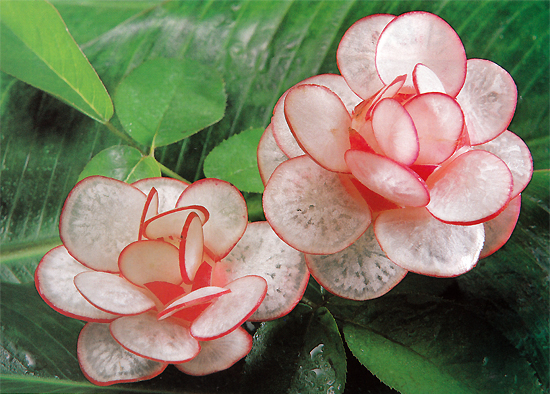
[
  {"x": 196, "y": 207},
  {"x": 197, "y": 301},
  {"x": 184, "y": 232},
  {"x": 144, "y": 213}
]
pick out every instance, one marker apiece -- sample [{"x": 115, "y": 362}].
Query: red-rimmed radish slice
[
  {"x": 169, "y": 190},
  {"x": 337, "y": 84},
  {"x": 471, "y": 189},
  {"x": 388, "y": 178},
  {"x": 100, "y": 217},
  {"x": 164, "y": 341},
  {"x": 269, "y": 154},
  {"x": 112, "y": 293},
  {"x": 168, "y": 225},
  {"x": 320, "y": 122},
  {"x": 367, "y": 132},
  {"x": 439, "y": 121},
  {"x": 54, "y": 278},
  {"x": 150, "y": 261},
  {"x": 150, "y": 209},
  {"x": 228, "y": 213},
  {"x": 426, "y": 81},
  {"x": 261, "y": 252},
  {"x": 360, "y": 272},
  {"x": 164, "y": 291},
  {"x": 514, "y": 152},
  {"x": 416, "y": 241},
  {"x": 421, "y": 37},
  {"x": 375, "y": 201},
  {"x": 311, "y": 209},
  {"x": 230, "y": 310},
  {"x": 356, "y": 51},
  {"x": 200, "y": 296},
  {"x": 219, "y": 354},
  {"x": 105, "y": 362},
  {"x": 488, "y": 100},
  {"x": 203, "y": 277},
  {"x": 191, "y": 247},
  {"x": 363, "y": 111},
  {"x": 394, "y": 131},
  {"x": 281, "y": 131},
  {"x": 499, "y": 229}
]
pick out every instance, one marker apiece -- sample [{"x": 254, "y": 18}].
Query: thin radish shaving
[
  {"x": 168, "y": 225},
  {"x": 191, "y": 248},
  {"x": 200, "y": 296},
  {"x": 269, "y": 154},
  {"x": 426, "y": 81},
  {"x": 499, "y": 229},
  {"x": 281, "y": 131},
  {"x": 169, "y": 190},
  {"x": 150, "y": 209},
  {"x": 337, "y": 84}
]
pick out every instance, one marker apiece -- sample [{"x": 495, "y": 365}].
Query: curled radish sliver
[
  {"x": 261, "y": 252},
  {"x": 150, "y": 209},
  {"x": 219, "y": 354},
  {"x": 230, "y": 310},
  {"x": 112, "y": 293},
  {"x": 499, "y": 229},
  {"x": 200, "y": 296},
  {"x": 488, "y": 100},
  {"x": 168, "y": 225},
  {"x": 269, "y": 154},
  {"x": 105, "y": 362},
  {"x": 100, "y": 211},
  {"x": 191, "y": 247},
  {"x": 360, "y": 272},
  {"x": 54, "y": 278},
  {"x": 163, "y": 341},
  {"x": 169, "y": 190},
  {"x": 426, "y": 81},
  {"x": 417, "y": 242},
  {"x": 311, "y": 209}
]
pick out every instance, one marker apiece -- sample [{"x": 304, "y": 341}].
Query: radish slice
[
  {"x": 150, "y": 209},
  {"x": 421, "y": 37},
  {"x": 232, "y": 309},
  {"x": 150, "y": 261},
  {"x": 375, "y": 201},
  {"x": 200, "y": 296},
  {"x": 105, "y": 362},
  {"x": 100, "y": 216},
  {"x": 260, "y": 251},
  {"x": 311, "y": 210},
  {"x": 54, "y": 278},
  {"x": 355, "y": 54},
  {"x": 395, "y": 132},
  {"x": 111, "y": 293},
  {"x": 471, "y": 189},
  {"x": 367, "y": 132},
  {"x": 228, "y": 213},
  {"x": 191, "y": 247},
  {"x": 281, "y": 131},
  {"x": 388, "y": 178},
  {"x": 337, "y": 84},
  {"x": 512, "y": 150},
  {"x": 164, "y": 291},
  {"x": 168, "y": 225},
  {"x": 499, "y": 229},
  {"x": 219, "y": 354},
  {"x": 169, "y": 190},
  {"x": 164, "y": 341},
  {"x": 364, "y": 110},
  {"x": 360, "y": 272},
  {"x": 439, "y": 121},
  {"x": 426, "y": 81},
  {"x": 320, "y": 122},
  {"x": 416, "y": 241},
  {"x": 269, "y": 154},
  {"x": 488, "y": 100}
]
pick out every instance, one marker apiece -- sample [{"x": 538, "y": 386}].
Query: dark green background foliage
[{"x": 483, "y": 332}]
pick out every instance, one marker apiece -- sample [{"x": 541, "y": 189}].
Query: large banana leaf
[{"x": 261, "y": 48}]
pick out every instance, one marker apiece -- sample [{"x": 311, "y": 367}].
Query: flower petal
[{"x": 169, "y": 190}]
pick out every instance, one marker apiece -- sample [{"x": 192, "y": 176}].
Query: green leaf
[
  {"x": 301, "y": 353},
  {"x": 38, "y": 49},
  {"x": 166, "y": 100},
  {"x": 235, "y": 161},
  {"x": 422, "y": 344},
  {"x": 122, "y": 162}
]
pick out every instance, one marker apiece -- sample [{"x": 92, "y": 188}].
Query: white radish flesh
[
  {"x": 168, "y": 225},
  {"x": 112, "y": 293},
  {"x": 473, "y": 188},
  {"x": 105, "y": 362},
  {"x": 426, "y": 81},
  {"x": 100, "y": 217},
  {"x": 337, "y": 84},
  {"x": 360, "y": 272},
  {"x": 320, "y": 122},
  {"x": 200, "y": 296},
  {"x": 169, "y": 189},
  {"x": 488, "y": 100},
  {"x": 261, "y": 252},
  {"x": 191, "y": 248},
  {"x": 232, "y": 309},
  {"x": 416, "y": 241},
  {"x": 219, "y": 354},
  {"x": 269, "y": 154},
  {"x": 311, "y": 209},
  {"x": 499, "y": 229},
  {"x": 281, "y": 131},
  {"x": 388, "y": 178}
]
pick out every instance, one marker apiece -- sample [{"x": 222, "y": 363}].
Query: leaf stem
[{"x": 123, "y": 136}]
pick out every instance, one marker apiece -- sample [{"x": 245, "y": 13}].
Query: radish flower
[
  {"x": 402, "y": 163},
  {"x": 165, "y": 273}
]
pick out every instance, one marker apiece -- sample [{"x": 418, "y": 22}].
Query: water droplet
[{"x": 316, "y": 350}]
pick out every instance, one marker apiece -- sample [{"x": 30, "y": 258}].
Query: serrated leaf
[
  {"x": 166, "y": 100},
  {"x": 38, "y": 49},
  {"x": 301, "y": 353},
  {"x": 122, "y": 162},
  {"x": 423, "y": 344},
  {"x": 235, "y": 161}
]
